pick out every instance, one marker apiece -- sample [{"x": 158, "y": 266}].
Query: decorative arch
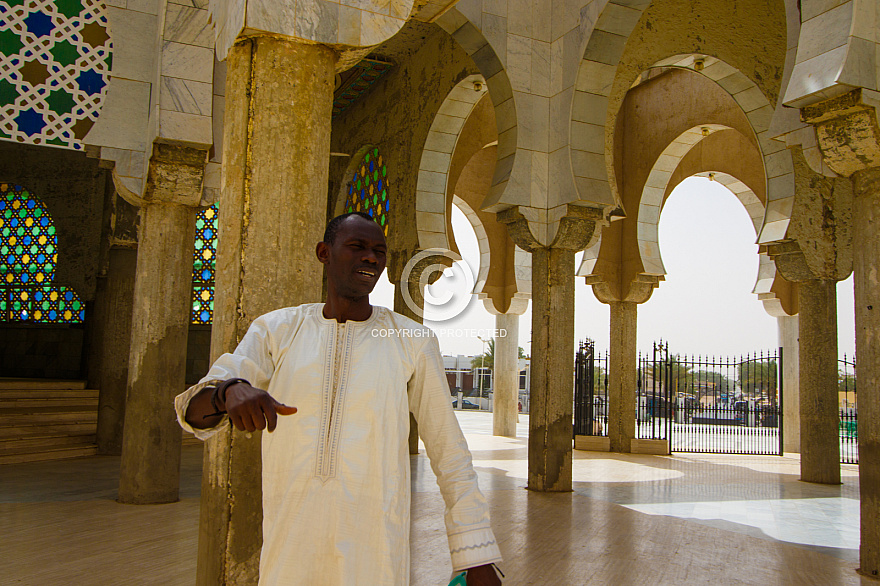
[
  {"x": 482, "y": 243},
  {"x": 592, "y": 124},
  {"x": 56, "y": 67},
  {"x": 28, "y": 258},
  {"x": 434, "y": 166}
]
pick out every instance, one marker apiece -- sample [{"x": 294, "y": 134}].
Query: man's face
[{"x": 356, "y": 258}]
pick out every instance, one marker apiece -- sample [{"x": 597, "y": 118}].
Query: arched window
[
  {"x": 204, "y": 266},
  {"x": 28, "y": 257},
  {"x": 368, "y": 189}
]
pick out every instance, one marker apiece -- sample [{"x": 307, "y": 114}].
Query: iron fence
[
  {"x": 849, "y": 424},
  {"x": 591, "y": 391}
]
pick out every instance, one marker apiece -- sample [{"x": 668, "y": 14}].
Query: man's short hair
[{"x": 333, "y": 227}]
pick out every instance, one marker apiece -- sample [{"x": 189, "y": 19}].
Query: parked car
[{"x": 465, "y": 404}]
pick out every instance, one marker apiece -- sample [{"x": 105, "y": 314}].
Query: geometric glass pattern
[
  {"x": 55, "y": 58},
  {"x": 204, "y": 266},
  {"x": 368, "y": 190},
  {"x": 355, "y": 82},
  {"x": 28, "y": 257}
]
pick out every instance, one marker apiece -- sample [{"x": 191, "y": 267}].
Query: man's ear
[{"x": 322, "y": 251}]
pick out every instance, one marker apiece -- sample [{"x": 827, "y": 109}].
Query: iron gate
[
  {"x": 590, "y": 391},
  {"x": 849, "y": 415},
  {"x": 711, "y": 405}
]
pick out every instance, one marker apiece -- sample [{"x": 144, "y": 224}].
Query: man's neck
[{"x": 343, "y": 310}]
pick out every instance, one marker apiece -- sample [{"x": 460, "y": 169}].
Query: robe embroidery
[{"x": 333, "y": 399}]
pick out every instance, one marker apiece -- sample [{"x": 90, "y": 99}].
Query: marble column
[
  {"x": 150, "y": 466},
  {"x": 622, "y": 376},
  {"x": 116, "y": 308},
  {"x": 506, "y": 398},
  {"x": 276, "y": 149},
  {"x": 817, "y": 331},
  {"x": 791, "y": 414},
  {"x": 866, "y": 270}
]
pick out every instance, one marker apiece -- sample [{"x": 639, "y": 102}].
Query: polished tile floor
[{"x": 687, "y": 519}]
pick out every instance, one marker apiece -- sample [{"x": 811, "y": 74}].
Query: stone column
[
  {"x": 791, "y": 415},
  {"x": 150, "y": 467},
  {"x": 276, "y": 149},
  {"x": 622, "y": 376},
  {"x": 866, "y": 269},
  {"x": 552, "y": 392},
  {"x": 552, "y": 378},
  {"x": 116, "y": 307},
  {"x": 817, "y": 331},
  {"x": 504, "y": 408}
]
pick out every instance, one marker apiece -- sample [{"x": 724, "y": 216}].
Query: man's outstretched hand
[
  {"x": 483, "y": 576},
  {"x": 252, "y": 409}
]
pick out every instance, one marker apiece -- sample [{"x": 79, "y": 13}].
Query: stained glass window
[
  {"x": 204, "y": 266},
  {"x": 28, "y": 256},
  {"x": 55, "y": 60},
  {"x": 368, "y": 189}
]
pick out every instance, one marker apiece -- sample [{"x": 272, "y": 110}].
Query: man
[{"x": 345, "y": 375}]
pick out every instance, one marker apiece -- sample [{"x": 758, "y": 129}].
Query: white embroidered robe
[{"x": 336, "y": 475}]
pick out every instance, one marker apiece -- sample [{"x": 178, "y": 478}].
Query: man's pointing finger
[{"x": 282, "y": 409}]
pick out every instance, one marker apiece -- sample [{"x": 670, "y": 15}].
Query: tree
[
  {"x": 758, "y": 378},
  {"x": 486, "y": 360}
]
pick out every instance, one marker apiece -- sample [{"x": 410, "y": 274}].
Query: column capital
[
  {"x": 790, "y": 261},
  {"x": 576, "y": 227},
  {"x": 847, "y": 130},
  {"x": 175, "y": 175}
]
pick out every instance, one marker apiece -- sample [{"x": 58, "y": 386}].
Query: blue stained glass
[
  {"x": 39, "y": 24},
  {"x": 31, "y": 204},
  {"x": 24, "y": 277},
  {"x": 209, "y": 234},
  {"x": 44, "y": 221},
  {"x": 205, "y": 316},
  {"x": 30, "y": 122},
  {"x": 68, "y": 296},
  {"x": 206, "y": 274},
  {"x": 371, "y": 166},
  {"x": 53, "y": 315},
  {"x": 371, "y": 212},
  {"x": 387, "y": 203},
  {"x": 91, "y": 82},
  {"x": 379, "y": 185}
]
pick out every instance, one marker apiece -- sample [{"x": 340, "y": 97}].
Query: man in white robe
[{"x": 336, "y": 469}]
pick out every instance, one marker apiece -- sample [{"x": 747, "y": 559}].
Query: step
[
  {"x": 31, "y": 417},
  {"x": 58, "y": 404},
  {"x": 13, "y": 394},
  {"x": 42, "y": 444},
  {"x": 52, "y": 430},
  {"x": 56, "y": 454},
  {"x": 40, "y": 384}
]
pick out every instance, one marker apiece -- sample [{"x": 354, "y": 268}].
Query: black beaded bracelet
[{"x": 220, "y": 392}]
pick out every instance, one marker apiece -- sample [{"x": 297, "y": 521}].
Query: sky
[{"x": 705, "y": 306}]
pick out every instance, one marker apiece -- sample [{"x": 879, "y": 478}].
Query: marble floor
[{"x": 631, "y": 519}]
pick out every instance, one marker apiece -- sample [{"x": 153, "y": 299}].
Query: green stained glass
[
  {"x": 60, "y": 101},
  {"x": 204, "y": 266},
  {"x": 29, "y": 242},
  {"x": 65, "y": 53},
  {"x": 367, "y": 191}
]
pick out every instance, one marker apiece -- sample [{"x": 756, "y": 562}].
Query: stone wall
[{"x": 35, "y": 351}]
